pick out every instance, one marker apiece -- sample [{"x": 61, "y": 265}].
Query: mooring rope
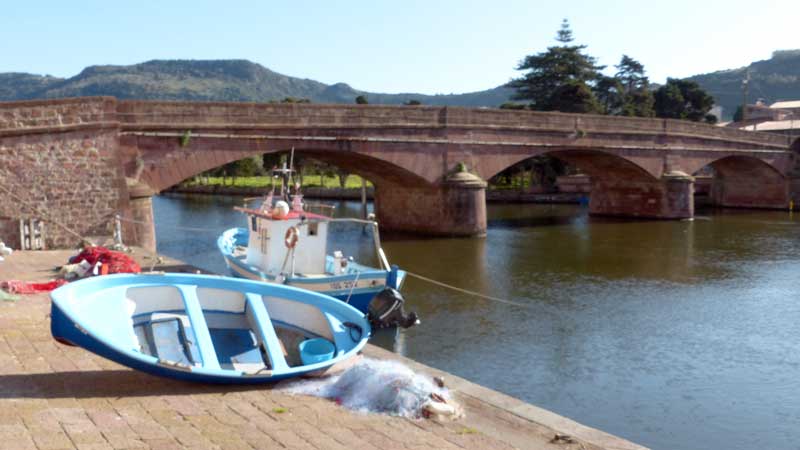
[
  {"x": 415, "y": 275},
  {"x": 466, "y": 291},
  {"x": 355, "y": 283},
  {"x": 45, "y": 215},
  {"x": 176, "y": 227},
  {"x": 156, "y": 256}
]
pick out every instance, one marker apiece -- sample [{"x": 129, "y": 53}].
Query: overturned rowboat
[{"x": 207, "y": 328}]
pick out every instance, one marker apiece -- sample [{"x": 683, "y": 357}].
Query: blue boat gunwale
[{"x": 64, "y": 298}]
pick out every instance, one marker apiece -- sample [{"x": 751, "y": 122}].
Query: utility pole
[{"x": 745, "y": 87}]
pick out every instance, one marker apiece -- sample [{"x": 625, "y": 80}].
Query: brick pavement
[{"x": 58, "y": 397}]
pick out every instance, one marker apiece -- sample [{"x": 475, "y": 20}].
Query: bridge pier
[
  {"x": 794, "y": 192},
  {"x": 456, "y": 207},
  {"x": 671, "y": 197},
  {"x": 139, "y": 228}
]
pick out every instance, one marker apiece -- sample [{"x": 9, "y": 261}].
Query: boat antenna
[
  {"x": 285, "y": 174},
  {"x": 291, "y": 165},
  {"x": 745, "y": 89}
]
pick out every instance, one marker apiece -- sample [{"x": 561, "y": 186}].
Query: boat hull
[
  {"x": 69, "y": 325},
  {"x": 355, "y": 289}
]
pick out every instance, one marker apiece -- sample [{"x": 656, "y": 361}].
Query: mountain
[
  {"x": 777, "y": 78},
  {"x": 216, "y": 80}
]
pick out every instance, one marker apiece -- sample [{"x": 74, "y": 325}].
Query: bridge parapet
[
  {"x": 139, "y": 114},
  {"x": 34, "y": 116},
  {"x": 151, "y": 115}
]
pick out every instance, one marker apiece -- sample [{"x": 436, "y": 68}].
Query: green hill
[
  {"x": 218, "y": 80},
  {"x": 777, "y": 78}
]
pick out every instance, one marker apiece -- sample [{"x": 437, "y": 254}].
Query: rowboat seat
[{"x": 166, "y": 339}]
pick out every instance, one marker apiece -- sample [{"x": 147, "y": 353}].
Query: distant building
[
  {"x": 789, "y": 127},
  {"x": 716, "y": 111},
  {"x": 781, "y": 117}
]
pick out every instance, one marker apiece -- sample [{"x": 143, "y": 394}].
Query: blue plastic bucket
[{"x": 316, "y": 350}]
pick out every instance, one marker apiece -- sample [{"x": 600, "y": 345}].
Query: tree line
[{"x": 565, "y": 78}]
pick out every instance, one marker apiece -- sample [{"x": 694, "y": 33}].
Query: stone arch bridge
[{"x": 80, "y": 161}]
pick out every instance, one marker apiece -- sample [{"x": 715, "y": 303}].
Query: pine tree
[
  {"x": 684, "y": 99},
  {"x": 560, "y": 78},
  {"x": 637, "y": 99}
]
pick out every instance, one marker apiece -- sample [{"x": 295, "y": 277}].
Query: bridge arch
[
  {"x": 377, "y": 170},
  {"x": 597, "y": 164},
  {"x": 164, "y": 163},
  {"x": 741, "y": 181},
  {"x": 796, "y": 146}
]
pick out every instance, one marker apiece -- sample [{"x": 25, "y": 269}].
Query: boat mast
[
  {"x": 745, "y": 88},
  {"x": 285, "y": 174}
]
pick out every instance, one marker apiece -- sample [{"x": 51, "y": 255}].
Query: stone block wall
[
  {"x": 580, "y": 184},
  {"x": 46, "y": 115},
  {"x": 73, "y": 178}
]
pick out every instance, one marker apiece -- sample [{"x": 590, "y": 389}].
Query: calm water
[{"x": 676, "y": 335}]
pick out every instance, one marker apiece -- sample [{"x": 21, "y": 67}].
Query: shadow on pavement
[{"x": 106, "y": 383}]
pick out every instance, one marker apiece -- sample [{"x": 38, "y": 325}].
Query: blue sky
[{"x": 393, "y": 46}]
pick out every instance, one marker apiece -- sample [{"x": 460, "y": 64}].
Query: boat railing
[
  {"x": 320, "y": 208},
  {"x": 376, "y": 238}
]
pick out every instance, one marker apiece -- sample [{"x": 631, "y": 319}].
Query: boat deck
[
  {"x": 58, "y": 397},
  {"x": 240, "y": 254}
]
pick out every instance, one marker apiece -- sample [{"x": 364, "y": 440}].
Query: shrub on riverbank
[{"x": 352, "y": 181}]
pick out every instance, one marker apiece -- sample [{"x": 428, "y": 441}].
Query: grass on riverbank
[{"x": 352, "y": 181}]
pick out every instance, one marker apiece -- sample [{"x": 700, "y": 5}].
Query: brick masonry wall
[
  {"x": 74, "y": 177},
  {"x": 32, "y": 115}
]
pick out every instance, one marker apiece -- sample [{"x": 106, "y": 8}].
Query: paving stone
[
  {"x": 26, "y": 444},
  {"x": 379, "y": 440},
  {"x": 163, "y": 444},
  {"x": 289, "y": 439},
  {"x": 93, "y": 446},
  {"x": 51, "y": 440}
]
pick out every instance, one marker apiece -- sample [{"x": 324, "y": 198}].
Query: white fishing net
[{"x": 376, "y": 386}]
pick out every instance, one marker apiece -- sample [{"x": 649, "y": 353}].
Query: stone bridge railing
[
  {"x": 29, "y": 117},
  {"x": 66, "y": 114},
  {"x": 150, "y": 115}
]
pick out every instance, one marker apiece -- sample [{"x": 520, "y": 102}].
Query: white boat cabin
[{"x": 287, "y": 242}]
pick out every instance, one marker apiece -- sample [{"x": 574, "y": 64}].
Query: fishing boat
[
  {"x": 288, "y": 245},
  {"x": 207, "y": 328}
]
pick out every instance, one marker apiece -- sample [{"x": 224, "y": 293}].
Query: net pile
[
  {"x": 111, "y": 261},
  {"x": 27, "y": 287},
  {"x": 386, "y": 387}
]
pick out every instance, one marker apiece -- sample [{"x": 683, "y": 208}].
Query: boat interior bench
[{"x": 189, "y": 326}]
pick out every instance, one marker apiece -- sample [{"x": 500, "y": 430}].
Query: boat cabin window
[
  {"x": 313, "y": 228},
  {"x": 253, "y": 223}
]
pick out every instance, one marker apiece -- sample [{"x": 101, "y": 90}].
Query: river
[{"x": 673, "y": 334}]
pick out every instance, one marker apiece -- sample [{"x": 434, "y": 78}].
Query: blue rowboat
[
  {"x": 207, "y": 328},
  {"x": 290, "y": 248}
]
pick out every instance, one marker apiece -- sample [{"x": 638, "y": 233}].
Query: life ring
[{"x": 291, "y": 237}]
